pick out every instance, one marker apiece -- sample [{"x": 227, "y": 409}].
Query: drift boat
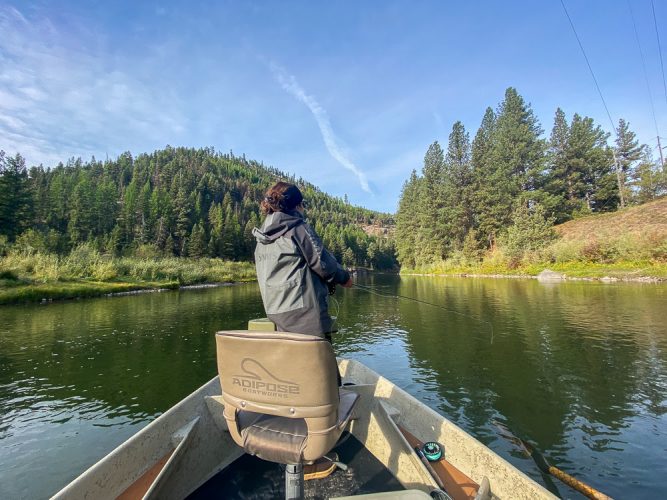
[{"x": 363, "y": 440}]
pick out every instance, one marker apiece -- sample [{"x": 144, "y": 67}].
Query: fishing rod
[
  {"x": 413, "y": 299},
  {"x": 548, "y": 469}
]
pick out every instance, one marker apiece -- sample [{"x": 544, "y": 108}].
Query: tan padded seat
[
  {"x": 277, "y": 439},
  {"x": 282, "y": 401}
]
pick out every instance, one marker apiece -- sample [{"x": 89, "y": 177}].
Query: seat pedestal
[{"x": 294, "y": 482}]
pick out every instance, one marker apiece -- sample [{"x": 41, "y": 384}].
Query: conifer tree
[
  {"x": 182, "y": 212},
  {"x": 648, "y": 180},
  {"x": 431, "y": 232},
  {"x": 407, "y": 222},
  {"x": 81, "y": 223},
  {"x": 197, "y": 246},
  {"x": 456, "y": 213},
  {"x": 106, "y": 207},
  {"x": 589, "y": 173},
  {"x": 482, "y": 168},
  {"x": 628, "y": 152},
  {"x": 516, "y": 155},
  {"x": 16, "y": 202},
  {"x": 559, "y": 182}
]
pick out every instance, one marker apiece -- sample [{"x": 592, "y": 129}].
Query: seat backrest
[{"x": 275, "y": 373}]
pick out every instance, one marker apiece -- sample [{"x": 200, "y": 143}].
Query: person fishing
[{"x": 294, "y": 270}]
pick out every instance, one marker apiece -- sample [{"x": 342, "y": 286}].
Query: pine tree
[
  {"x": 648, "y": 181},
  {"x": 578, "y": 176},
  {"x": 197, "y": 246},
  {"x": 231, "y": 235},
  {"x": 16, "y": 201},
  {"x": 407, "y": 222},
  {"x": 106, "y": 207},
  {"x": 431, "y": 230},
  {"x": 628, "y": 152},
  {"x": 216, "y": 220},
  {"x": 559, "y": 182},
  {"x": 516, "y": 159},
  {"x": 182, "y": 213},
  {"x": 248, "y": 238},
  {"x": 144, "y": 228},
  {"x": 82, "y": 216},
  {"x": 348, "y": 258},
  {"x": 589, "y": 172},
  {"x": 482, "y": 168},
  {"x": 457, "y": 188}
]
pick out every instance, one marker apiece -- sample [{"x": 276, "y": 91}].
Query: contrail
[{"x": 289, "y": 83}]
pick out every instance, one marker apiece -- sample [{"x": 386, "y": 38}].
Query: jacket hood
[{"x": 277, "y": 224}]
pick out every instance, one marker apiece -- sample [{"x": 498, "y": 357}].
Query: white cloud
[
  {"x": 61, "y": 95},
  {"x": 289, "y": 84}
]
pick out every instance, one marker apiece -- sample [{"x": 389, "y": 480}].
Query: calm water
[{"x": 578, "y": 368}]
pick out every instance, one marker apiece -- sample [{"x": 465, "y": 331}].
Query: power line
[
  {"x": 641, "y": 53},
  {"x": 648, "y": 86},
  {"x": 611, "y": 121},
  {"x": 657, "y": 35}
]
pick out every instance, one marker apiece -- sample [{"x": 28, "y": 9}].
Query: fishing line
[
  {"x": 335, "y": 318},
  {"x": 398, "y": 296}
]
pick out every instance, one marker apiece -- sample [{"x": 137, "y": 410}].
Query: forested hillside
[
  {"x": 510, "y": 186},
  {"x": 174, "y": 202}
]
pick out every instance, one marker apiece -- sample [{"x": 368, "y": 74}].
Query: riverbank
[
  {"x": 651, "y": 272},
  {"x": 44, "y": 277},
  {"x": 626, "y": 245}
]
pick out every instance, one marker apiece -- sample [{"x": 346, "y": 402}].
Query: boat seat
[
  {"x": 281, "y": 439},
  {"x": 282, "y": 401},
  {"x": 277, "y": 439}
]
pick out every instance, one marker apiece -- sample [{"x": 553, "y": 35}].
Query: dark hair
[{"x": 281, "y": 197}]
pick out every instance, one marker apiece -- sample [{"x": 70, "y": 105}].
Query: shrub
[
  {"x": 147, "y": 252},
  {"x": 30, "y": 242},
  {"x": 81, "y": 261},
  {"x": 531, "y": 230},
  {"x": 46, "y": 267},
  {"x": 8, "y": 274},
  {"x": 105, "y": 270},
  {"x": 472, "y": 252},
  {"x": 4, "y": 245}
]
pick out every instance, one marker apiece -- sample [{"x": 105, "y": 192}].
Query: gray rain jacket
[{"x": 293, "y": 269}]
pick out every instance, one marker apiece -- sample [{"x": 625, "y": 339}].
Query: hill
[
  {"x": 640, "y": 221},
  {"x": 172, "y": 202}
]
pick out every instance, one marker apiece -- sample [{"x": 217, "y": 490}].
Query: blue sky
[{"x": 346, "y": 94}]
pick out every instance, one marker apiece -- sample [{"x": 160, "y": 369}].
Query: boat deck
[{"x": 250, "y": 477}]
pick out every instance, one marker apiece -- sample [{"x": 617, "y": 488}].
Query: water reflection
[{"x": 579, "y": 368}]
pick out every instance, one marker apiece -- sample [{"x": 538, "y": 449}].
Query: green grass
[
  {"x": 31, "y": 277},
  {"x": 625, "y": 270}
]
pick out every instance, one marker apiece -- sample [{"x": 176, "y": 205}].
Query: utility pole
[{"x": 662, "y": 160}]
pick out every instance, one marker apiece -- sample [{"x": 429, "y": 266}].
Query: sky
[{"x": 347, "y": 95}]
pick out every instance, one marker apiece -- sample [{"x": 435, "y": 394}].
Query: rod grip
[{"x": 583, "y": 488}]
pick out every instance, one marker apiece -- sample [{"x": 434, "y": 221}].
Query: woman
[{"x": 293, "y": 267}]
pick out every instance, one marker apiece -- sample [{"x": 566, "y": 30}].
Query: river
[{"x": 580, "y": 369}]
